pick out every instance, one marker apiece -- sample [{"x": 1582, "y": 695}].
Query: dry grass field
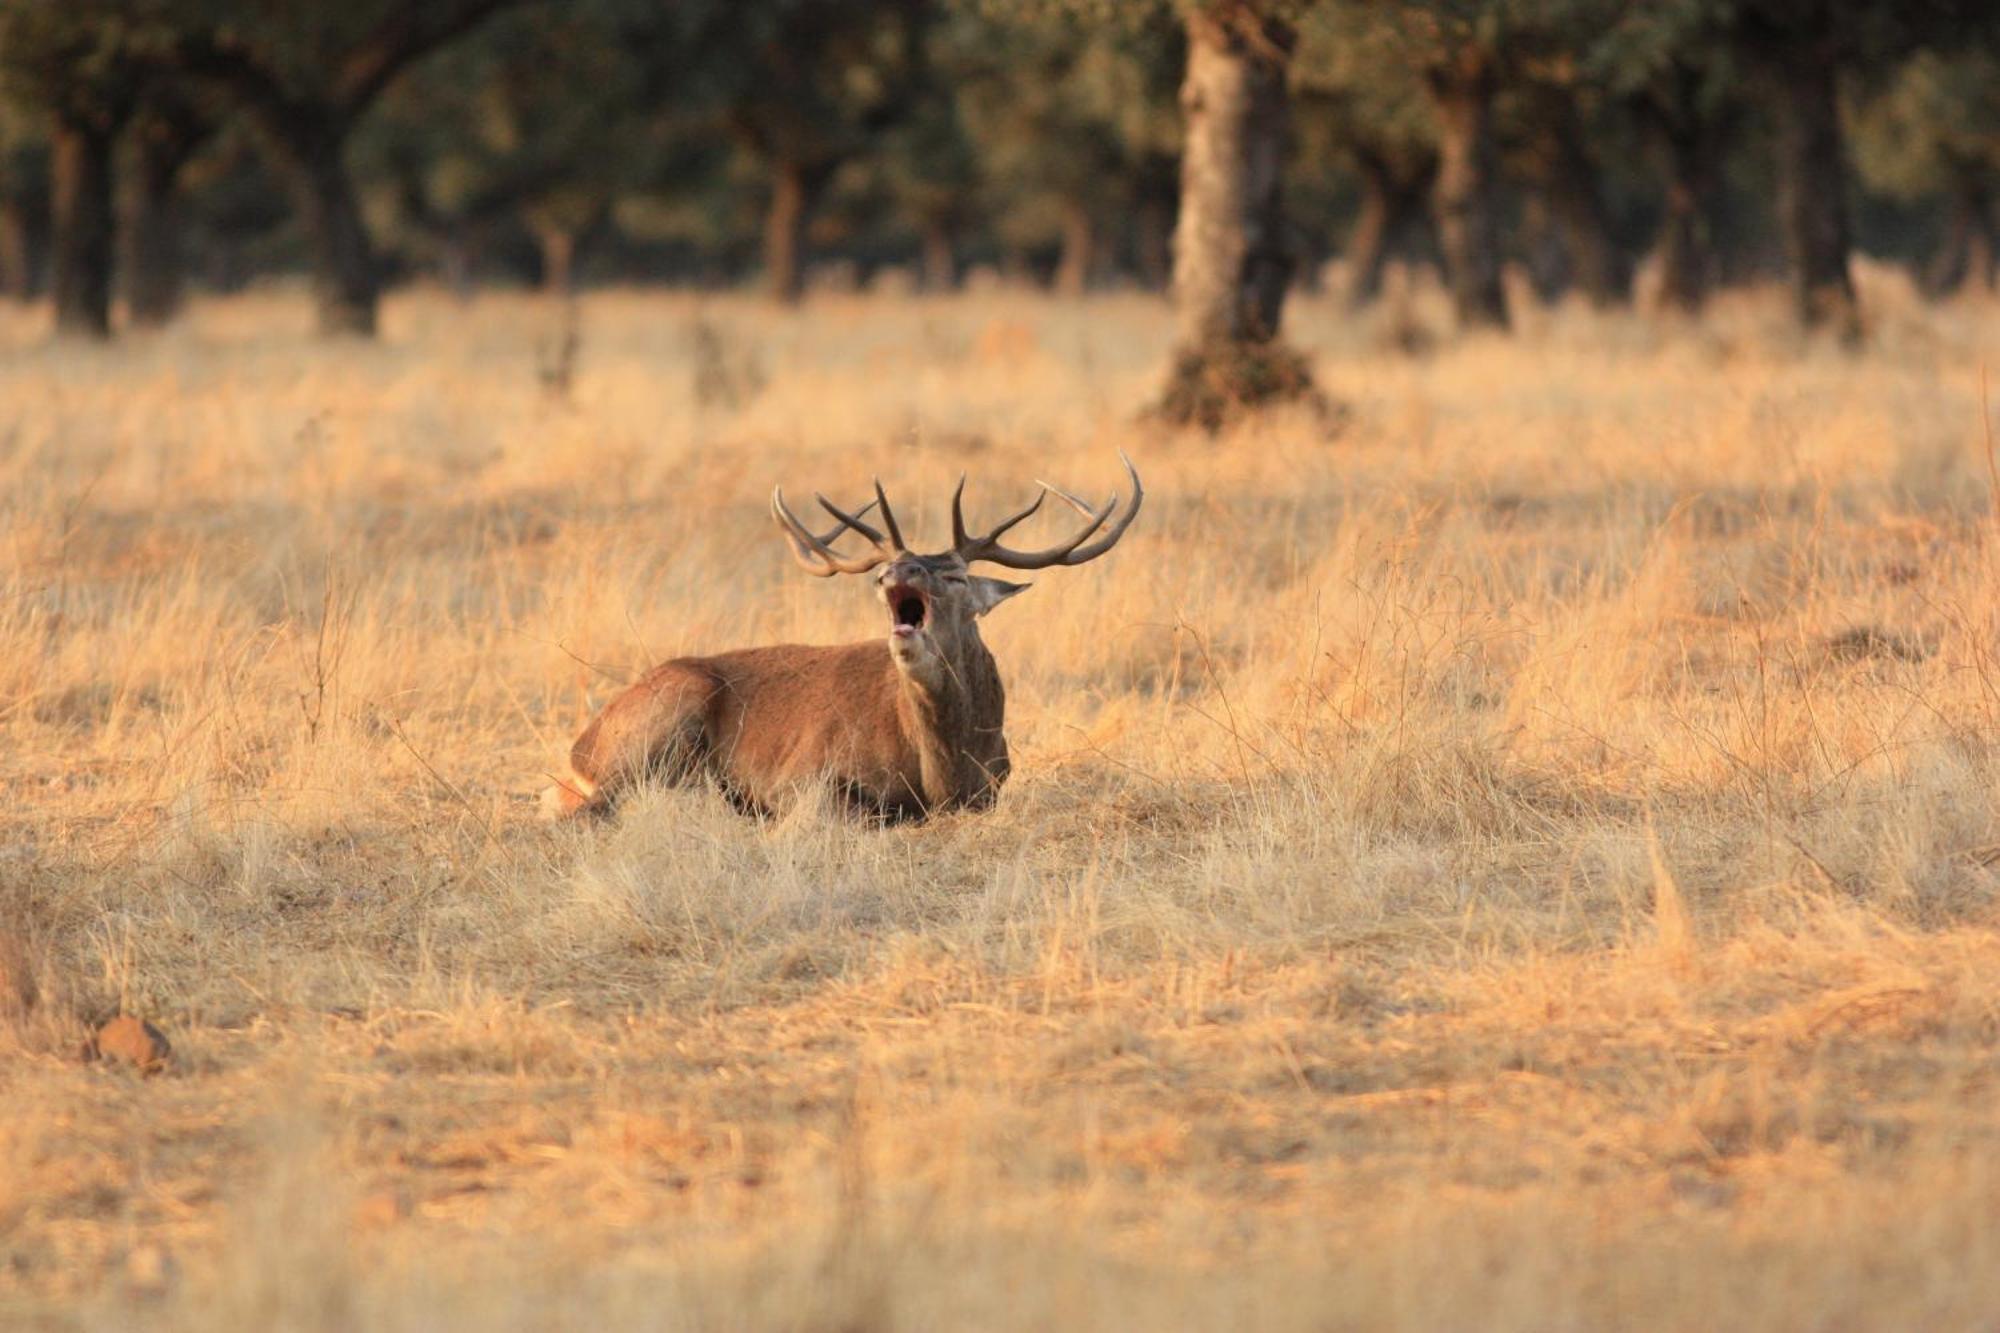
[{"x": 1523, "y": 859}]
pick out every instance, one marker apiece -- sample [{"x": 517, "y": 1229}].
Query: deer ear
[{"x": 989, "y": 593}]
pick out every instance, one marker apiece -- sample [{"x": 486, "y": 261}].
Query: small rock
[{"x": 131, "y": 1041}]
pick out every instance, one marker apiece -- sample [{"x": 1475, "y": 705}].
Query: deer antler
[
  {"x": 816, "y": 555},
  {"x": 1071, "y": 552}
]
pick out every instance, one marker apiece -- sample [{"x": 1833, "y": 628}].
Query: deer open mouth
[{"x": 908, "y": 609}]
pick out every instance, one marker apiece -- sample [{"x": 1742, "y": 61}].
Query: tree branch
[
  {"x": 229, "y": 63},
  {"x": 411, "y": 31}
]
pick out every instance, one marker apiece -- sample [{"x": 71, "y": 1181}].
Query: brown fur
[{"x": 895, "y": 730}]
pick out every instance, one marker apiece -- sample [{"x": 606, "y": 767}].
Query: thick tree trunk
[
  {"x": 1079, "y": 244},
  {"x": 153, "y": 253},
  {"x": 1599, "y": 265},
  {"x": 785, "y": 231},
  {"x": 346, "y": 284},
  {"x": 1812, "y": 188},
  {"x": 939, "y": 260},
  {"x": 1466, "y": 196},
  {"x": 80, "y": 191},
  {"x": 1230, "y": 265},
  {"x": 1967, "y": 252}
]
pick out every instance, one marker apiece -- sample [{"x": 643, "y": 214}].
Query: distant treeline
[{"x": 148, "y": 143}]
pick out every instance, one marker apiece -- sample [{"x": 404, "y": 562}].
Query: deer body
[
  {"x": 766, "y": 723},
  {"x": 894, "y": 730}
]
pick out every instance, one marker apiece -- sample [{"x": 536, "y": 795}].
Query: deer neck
[{"x": 946, "y": 714}]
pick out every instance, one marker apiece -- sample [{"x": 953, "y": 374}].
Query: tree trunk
[
  {"x": 1545, "y": 252},
  {"x": 1230, "y": 265},
  {"x": 1968, "y": 249},
  {"x": 1153, "y": 244},
  {"x": 1391, "y": 216},
  {"x": 1812, "y": 188},
  {"x": 939, "y": 261},
  {"x": 1368, "y": 246},
  {"x": 17, "y": 253},
  {"x": 785, "y": 231},
  {"x": 1466, "y": 196},
  {"x": 1078, "y": 247},
  {"x": 456, "y": 261},
  {"x": 557, "y": 246},
  {"x": 153, "y": 253},
  {"x": 346, "y": 285},
  {"x": 1687, "y": 258},
  {"x": 80, "y": 191},
  {"x": 1598, "y": 264}
]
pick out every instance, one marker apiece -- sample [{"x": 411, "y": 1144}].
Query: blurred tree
[
  {"x": 1354, "y": 87},
  {"x": 931, "y": 172},
  {"x": 1068, "y": 121},
  {"x": 24, "y": 173},
  {"x": 1933, "y": 131},
  {"x": 1231, "y": 265},
  {"x": 1799, "y": 46},
  {"x": 925, "y": 170},
  {"x": 676, "y": 140},
  {"x": 75, "y": 62},
  {"x": 1464, "y": 76},
  {"x": 168, "y": 128},
  {"x": 1456, "y": 52},
  {"x": 306, "y": 75},
  {"x": 1674, "y": 64},
  {"x": 1802, "y": 49},
  {"x": 803, "y": 87},
  {"x": 1558, "y": 147},
  {"x": 537, "y": 119}
]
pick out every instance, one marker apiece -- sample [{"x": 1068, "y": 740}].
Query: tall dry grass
[{"x": 1523, "y": 860}]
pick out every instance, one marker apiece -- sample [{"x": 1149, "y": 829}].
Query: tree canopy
[{"x": 1692, "y": 141}]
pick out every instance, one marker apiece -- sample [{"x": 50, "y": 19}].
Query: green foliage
[
  {"x": 1061, "y": 114},
  {"x": 993, "y": 121},
  {"x": 536, "y": 111},
  {"x": 1935, "y": 122}
]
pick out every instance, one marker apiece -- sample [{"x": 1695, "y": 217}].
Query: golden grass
[{"x": 1525, "y": 861}]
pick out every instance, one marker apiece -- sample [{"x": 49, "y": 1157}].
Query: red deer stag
[{"x": 896, "y": 728}]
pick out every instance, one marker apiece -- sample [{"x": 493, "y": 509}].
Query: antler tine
[
  {"x": 1072, "y": 501},
  {"x": 889, "y": 518},
  {"x": 814, "y": 554},
  {"x": 1110, "y": 539},
  {"x": 970, "y": 548},
  {"x": 958, "y": 542},
  {"x": 1015, "y": 520},
  {"x": 848, "y": 520},
  {"x": 1071, "y": 552}
]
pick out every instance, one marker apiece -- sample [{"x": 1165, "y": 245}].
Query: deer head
[{"x": 933, "y": 601}]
